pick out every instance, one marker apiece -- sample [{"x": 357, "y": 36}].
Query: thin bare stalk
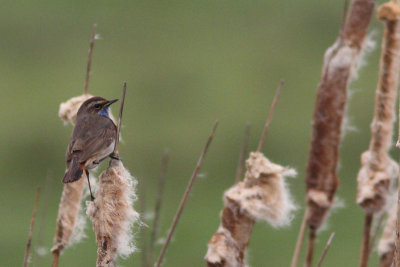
[
  {"x": 29, "y": 243},
  {"x": 376, "y": 231},
  {"x": 157, "y": 208},
  {"x": 121, "y": 109},
  {"x": 239, "y": 171},
  {"x": 312, "y": 234},
  {"x": 397, "y": 251},
  {"x": 270, "y": 116},
  {"x": 185, "y": 196},
  {"x": 56, "y": 258},
  {"x": 144, "y": 251},
  {"x": 328, "y": 244},
  {"x": 300, "y": 239},
  {"x": 366, "y": 243},
  {"x": 89, "y": 61},
  {"x": 42, "y": 218},
  {"x": 344, "y": 15}
]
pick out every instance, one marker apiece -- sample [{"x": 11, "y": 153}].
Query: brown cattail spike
[
  {"x": 338, "y": 68},
  {"x": 378, "y": 171}
]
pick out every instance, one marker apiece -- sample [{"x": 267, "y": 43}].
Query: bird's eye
[{"x": 97, "y": 106}]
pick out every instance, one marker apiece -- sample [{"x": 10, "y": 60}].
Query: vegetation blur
[{"x": 187, "y": 63}]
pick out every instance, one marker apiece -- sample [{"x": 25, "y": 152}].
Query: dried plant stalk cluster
[
  {"x": 263, "y": 195},
  {"x": 378, "y": 169},
  {"x": 112, "y": 213},
  {"x": 387, "y": 246},
  {"x": 338, "y": 68}
]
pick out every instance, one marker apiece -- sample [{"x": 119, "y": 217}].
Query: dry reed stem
[
  {"x": 270, "y": 116},
  {"x": 325, "y": 251},
  {"x": 29, "y": 242},
  {"x": 300, "y": 240},
  {"x": 142, "y": 194},
  {"x": 67, "y": 217},
  {"x": 185, "y": 196},
  {"x": 121, "y": 109},
  {"x": 40, "y": 249},
  {"x": 262, "y": 196},
  {"x": 374, "y": 235},
  {"x": 69, "y": 109},
  {"x": 387, "y": 243},
  {"x": 157, "y": 208},
  {"x": 312, "y": 235},
  {"x": 89, "y": 61},
  {"x": 338, "y": 68},
  {"x": 239, "y": 170},
  {"x": 364, "y": 255}
]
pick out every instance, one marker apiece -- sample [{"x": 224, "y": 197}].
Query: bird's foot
[
  {"x": 115, "y": 156},
  {"x": 92, "y": 198}
]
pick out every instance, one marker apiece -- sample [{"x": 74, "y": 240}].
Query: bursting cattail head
[
  {"x": 112, "y": 213},
  {"x": 375, "y": 180},
  {"x": 264, "y": 194}
]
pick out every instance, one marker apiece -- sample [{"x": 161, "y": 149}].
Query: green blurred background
[{"x": 187, "y": 63}]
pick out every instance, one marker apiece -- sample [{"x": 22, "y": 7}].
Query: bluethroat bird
[{"x": 92, "y": 141}]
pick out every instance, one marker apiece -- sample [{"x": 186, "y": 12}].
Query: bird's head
[{"x": 97, "y": 105}]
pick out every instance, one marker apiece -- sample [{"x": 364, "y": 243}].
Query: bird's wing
[
  {"x": 91, "y": 136},
  {"x": 95, "y": 144}
]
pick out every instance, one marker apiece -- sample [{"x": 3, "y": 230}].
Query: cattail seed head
[
  {"x": 375, "y": 180},
  {"x": 112, "y": 213},
  {"x": 264, "y": 194},
  {"x": 68, "y": 211}
]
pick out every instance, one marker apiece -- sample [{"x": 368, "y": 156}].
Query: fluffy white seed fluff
[
  {"x": 264, "y": 195},
  {"x": 112, "y": 213}
]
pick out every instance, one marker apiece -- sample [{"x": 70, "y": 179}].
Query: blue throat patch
[{"x": 105, "y": 112}]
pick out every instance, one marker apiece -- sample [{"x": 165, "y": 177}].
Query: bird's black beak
[{"x": 110, "y": 102}]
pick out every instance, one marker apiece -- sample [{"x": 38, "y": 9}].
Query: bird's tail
[{"x": 74, "y": 172}]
